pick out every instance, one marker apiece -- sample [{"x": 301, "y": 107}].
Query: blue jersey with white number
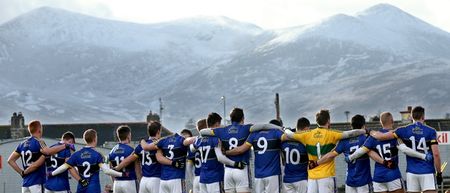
[
  {"x": 117, "y": 155},
  {"x": 358, "y": 173},
  {"x": 266, "y": 145},
  {"x": 233, "y": 136},
  {"x": 419, "y": 137},
  {"x": 30, "y": 151},
  {"x": 150, "y": 166},
  {"x": 211, "y": 169},
  {"x": 173, "y": 149},
  {"x": 194, "y": 157},
  {"x": 296, "y": 161},
  {"x": 88, "y": 162},
  {"x": 61, "y": 181},
  {"x": 388, "y": 151}
]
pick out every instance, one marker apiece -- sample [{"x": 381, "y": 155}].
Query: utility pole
[
  {"x": 277, "y": 107},
  {"x": 347, "y": 113},
  {"x": 224, "y": 110},
  {"x": 161, "y": 108}
]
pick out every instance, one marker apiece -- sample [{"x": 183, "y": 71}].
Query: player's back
[
  {"x": 194, "y": 157},
  {"x": 233, "y": 136},
  {"x": 173, "y": 149},
  {"x": 319, "y": 142},
  {"x": 358, "y": 173},
  {"x": 61, "y": 181},
  {"x": 266, "y": 146},
  {"x": 211, "y": 170},
  {"x": 30, "y": 152},
  {"x": 150, "y": 166},
  {"x": 296, "y": 161},
  {"x": 117, "y": 155},
  {"x": 418, "y": 137},
  {"x": 389, "y": 152},
  {"x": 88, "y": 162}
]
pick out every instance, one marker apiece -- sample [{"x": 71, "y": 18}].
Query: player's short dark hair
[
  {"x": 237, "y": 115},
  {"x": 302, "y": 123},
  {"x": 122, "y": 132},
  {"x": 90, "y": 135},
  {"x": 68, "y": 136},
  {"x": 201, "y": 124},
  {"x": 358, "y": 121},
  {"x": 153, "y": 128},
  {"x": 186, "y": 131},
  {"x": 322, "y": 117},
  {"x": 276, "y": 122},
  {"x": 418, "y": 113},
  {"x": 213, "y": 118}
]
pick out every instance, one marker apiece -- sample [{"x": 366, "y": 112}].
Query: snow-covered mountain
[{"x": 61, "y": 66}]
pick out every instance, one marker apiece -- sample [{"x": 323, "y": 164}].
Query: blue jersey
[
  {"x": 88, "y": 162},
  {"x": 266, "y": 145},
  {"x": 150, "y": 166},
  {"x": 211, "y": 169},
  {"x": 194, "y": 157},
  {"x": 233, "y": 136},
  {"x": 173, "y": 149},
  {"x": 30, "y": 151},
  {"x": 388, "y": 151},
  {"x": 296, "y": 161},
  {"x": 358, "y": 173},
  {"x": 61, "y": 181},
  {"x": 418, "y": 137},
  {"x": 117, "y": 155}
]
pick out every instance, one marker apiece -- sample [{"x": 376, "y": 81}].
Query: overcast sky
[{"x": 268, "y": 14}]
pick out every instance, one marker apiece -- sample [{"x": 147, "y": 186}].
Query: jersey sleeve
[
  {"x": 433, "y": 137},
  {"x": 160, "y": 143},
  {"x": 72, "y": 161},
  {"x": 250, "y": 139},
  {"x": 137, "y": 151},
  {"x": 369, "y": 143},
  {"x": 279, "y": 134},
  {"x": 18, "y": 149},
  {"x": 215, "y": 142},
  {"x": 42, "y": 144},
  {"x": 400, "y": 133},
  {"x": 300, "y": 137},
  {"x": 100, "y": 159},
  {"x": 336, "y": 135},
  {"x": 340, "y": 148}
]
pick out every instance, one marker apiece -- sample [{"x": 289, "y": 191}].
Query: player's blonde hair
[
  {"x": 385, "y": 117},
  {"x": 34, "y": 126},
  {"x": 89, "y": 135}
]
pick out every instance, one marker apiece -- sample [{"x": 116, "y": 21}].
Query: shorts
[
  {"x": 172, "y": 186},
  {"x": 237, "y": 180},
  {"x": 388, "y": 186},
  {"x": 269, "y": 184},
  {"x": 296, "y": 187},
  {"x": 420, "y": 182},
  {"x": 322, "y": 185}
]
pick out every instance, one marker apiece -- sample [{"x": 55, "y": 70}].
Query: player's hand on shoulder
[
  {"x": 429, "y": 157},
  {"x": 347, "y": 159}
]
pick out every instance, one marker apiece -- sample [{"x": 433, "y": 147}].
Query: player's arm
[
  {"x": 260, "y": 127},
  {"x": 162, "y": 159},
  {"x": 35, "y": 165},
  {"x": 188, "y": 141},
  {"x": 436, "y": 156},
  {"x": 12, "y": 162},
  {"x": 239, "y": 150},
  {"x": 111, "y": 166},
  {"x": 358, "y": 153},
  {"x": 138, "y": 170},
  {"x": 127, "y": 161},
  {"x": 353, "y": 133},
  {"x": 148, "y": 147},
  {"x": 410, "y": 152},
  {"x": 382, "y": 136},
  {"x": 375, "y": 157},
  {"x": 109, "y": 171},
  {"x": 224, "y": 159},
  {"x": 73, "y": 172},
  {"x": 206, "y": 132},
  {"x": 327, "y": 157},
  {"x": 52, "y": 150},
  {"x": 61, "y": 169}
]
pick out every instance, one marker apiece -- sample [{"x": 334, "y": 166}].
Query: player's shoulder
[
  {"x": 425, "y": 126},
  {"x": 166, "y": 137},
  {"x": 334, "y": 130}
]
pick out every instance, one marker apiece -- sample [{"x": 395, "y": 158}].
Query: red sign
[{"x": 443, "y": 137}]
